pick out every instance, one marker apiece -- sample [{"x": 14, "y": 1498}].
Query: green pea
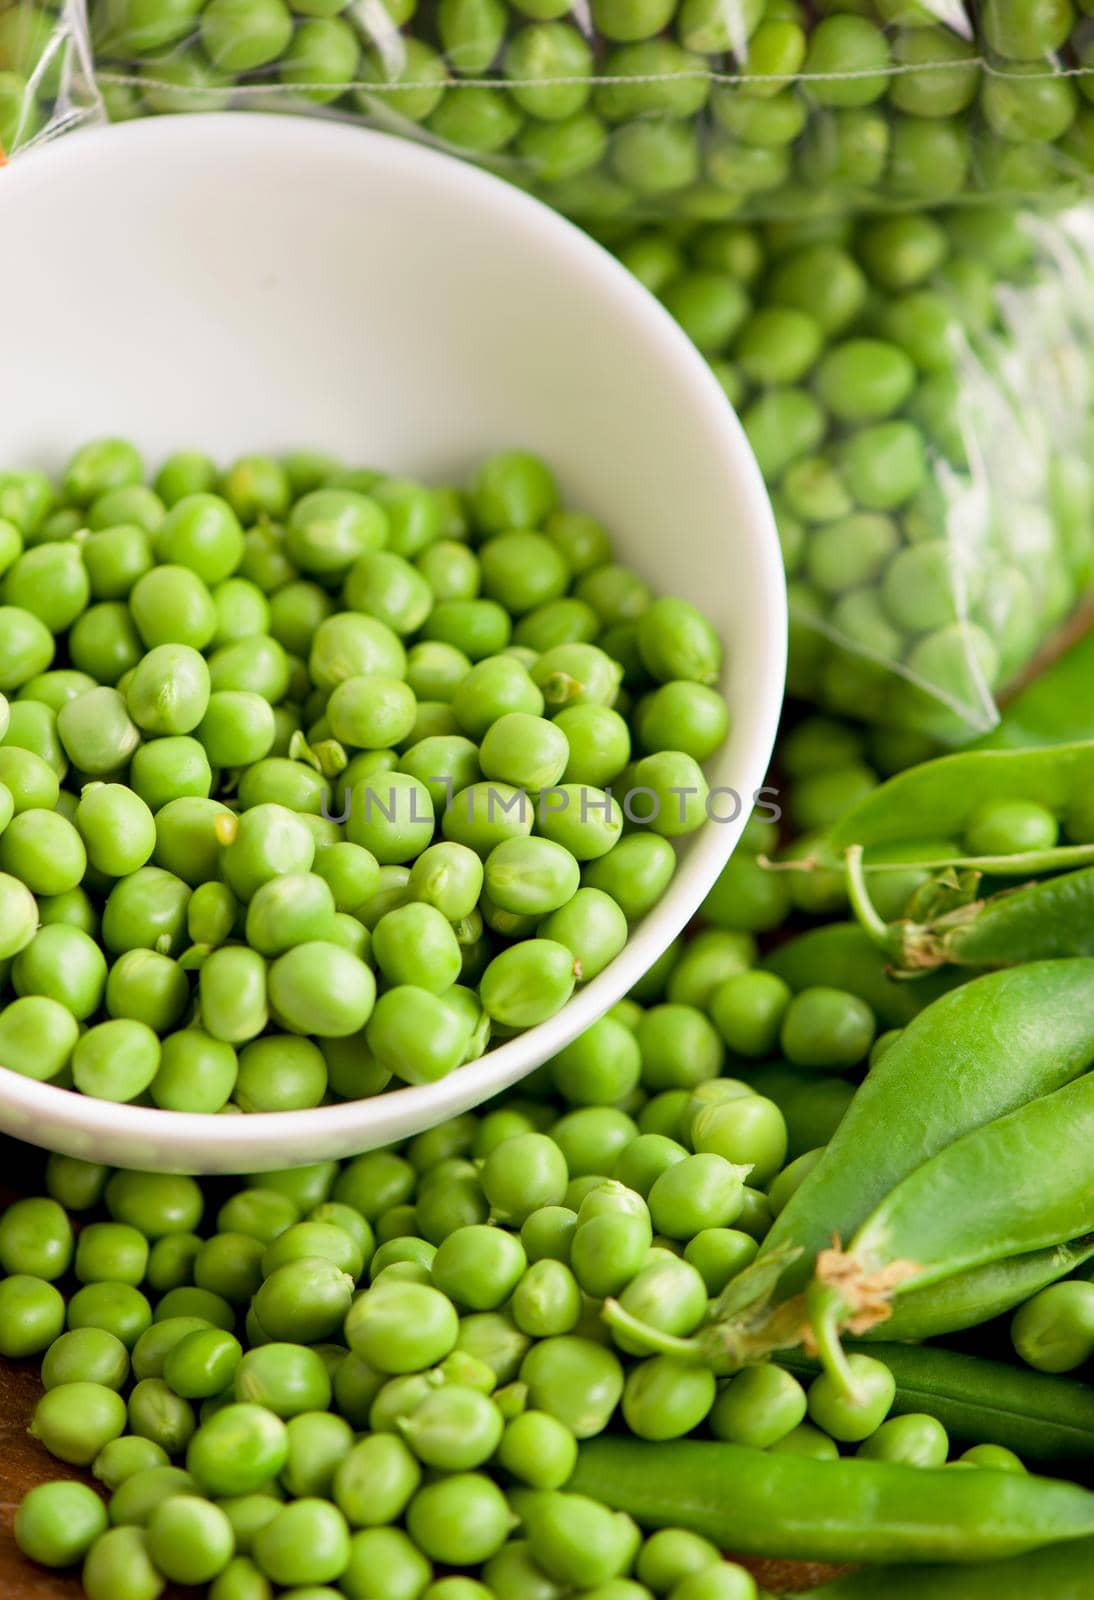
[
  {"x": 75, "y": 1420},
  {"x": 915, "y": 1438},
  {"x": 574, "y": 1380},
  {"x": 528, "y": 983},
  {"x": 1054, "y": 1332},
  {"x": 118, "y": 1567},
  {"x": 461, "y": 1519},
  {"x": 125, "y": 1458},
  {"x": 375, "y": 1481},
  {"x": 664, "y": 1399},
  {"x": 576, "y": 1541},
  {"x": 454, "y": 1428},
  {"x": 1007, "y": 827},
  {"x": 402, "y": 1327},
  {"x": 32, "y": 1315},
  {"x": 306, "y": 1542},
  {"x": 852, "y": 1419}
]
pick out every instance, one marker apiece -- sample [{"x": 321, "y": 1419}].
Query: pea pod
[
  {"x": 939, "y": 798},
  {"x": 1040, "y": 1416},
  {"x": 975, "y": 1055},
  {"x": 986, "y": 1052},
  {"x": 1041, "y": 921},
  {"x": 839, "y": 955},
  {"x": 1062, "y": 1572},
  {"x": 756, "y": 1503},
  {"x": 1056, "y": 708},
  {"x": 1019, "y": 1183},
  {"x": 970, "y": 1298}
]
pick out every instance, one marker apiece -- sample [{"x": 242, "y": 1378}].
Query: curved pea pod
[
  {"x": 939, "y": 798},
  {"x": 1043, "y": 921},
  {"x": 1062, "y": 1572},
  {"x": 1039, "y": 1416},
  {"x": 756, "y": 1503},
  {"x": 974, "y": 1055},
  {"x": 970, "y": 1298},
  {"x": 1056, "y": 708},
  {"x": 1022, "y": 1182},
  {"x": 840, "y": 955}
]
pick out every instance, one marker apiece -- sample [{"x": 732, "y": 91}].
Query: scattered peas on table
[
  {"x": 314, "y": 779},
  {"x": 594, "y": 1337}
]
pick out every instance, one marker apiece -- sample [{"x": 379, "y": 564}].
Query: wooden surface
[{"x": 23, "y": 1463}]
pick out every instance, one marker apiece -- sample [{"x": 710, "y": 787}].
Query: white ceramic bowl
[{"x": 238, "y": 283}]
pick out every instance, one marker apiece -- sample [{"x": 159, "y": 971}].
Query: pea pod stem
[{"x": 866, "y": 914}]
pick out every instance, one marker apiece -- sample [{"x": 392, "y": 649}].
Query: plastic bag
[
  {"x": 656, "y": 108},
  {"x": 918, "y": 390},
  {"x": 47, "y": 80}
]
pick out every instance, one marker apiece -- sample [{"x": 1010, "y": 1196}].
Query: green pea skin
[
  {"x": 664, "y": 1399},
  {"x": 57, "y": 1523},
  {"x": 578, "y": 1541},
  {"x": 915, "y": 1438},
  {"x": 1054, "y": 1332},
  {"x": 118, "y": 1567},
  {"x": 32, "y": 1315},
  {"x": 75, "y": 1420},
  {"x": 574, "y": 1380},
  {"x": 852, "y": 1419}
]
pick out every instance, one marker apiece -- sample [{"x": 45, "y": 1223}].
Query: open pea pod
[
  {"x": 1020, "y": 1183},
  {"x": 976, "y": 1054},
  {"x": 984, "y": 1052},
  {"x": 939, "y": 798}
]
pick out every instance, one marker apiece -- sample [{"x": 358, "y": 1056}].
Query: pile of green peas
[
  {"x": 701, "y": 109},
  {"x": 372, "y": 1379},
  {"x": 306, "y": 771},
  {"x": 931, "y": 480}
]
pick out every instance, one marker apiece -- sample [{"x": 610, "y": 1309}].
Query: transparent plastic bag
[
  {"x": 918, "y": 390},
  {"x": 47, "y": 80},
  {"x": 656, "y": 108}
]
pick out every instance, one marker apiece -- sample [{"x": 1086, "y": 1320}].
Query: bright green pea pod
[
  {"x": 976, "y": 1054},
  {"x": 1061, "y": 1572},
  {"x": 1039, "y": 1416},
  {"x": 756, "y": 1503},
  {"x": 1056, "y": 708},
  {"x": 938, "y": 798},
  {"x": 1022, "y": 1182},
  {"x": 1043, "y": 921},
  {"x": 971, "y": 1298}
]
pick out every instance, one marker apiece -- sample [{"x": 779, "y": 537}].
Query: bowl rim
[{"x": 203, "y": 1142}]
